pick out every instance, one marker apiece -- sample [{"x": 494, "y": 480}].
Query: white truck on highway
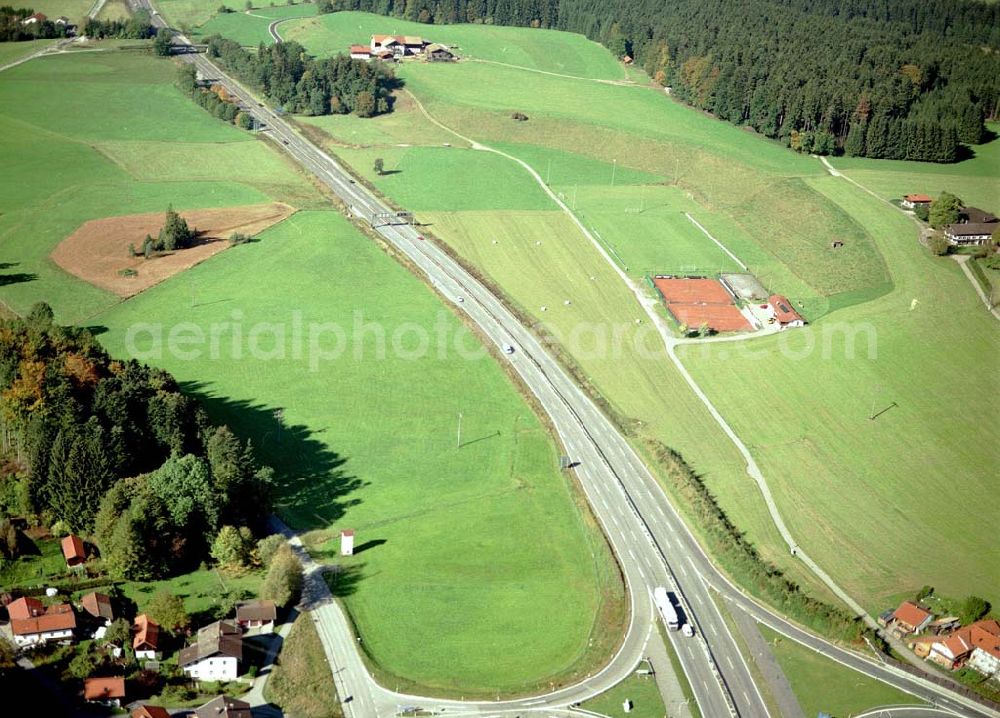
[{"x": 666, "y": 608}]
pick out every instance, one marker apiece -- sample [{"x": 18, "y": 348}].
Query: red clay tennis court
[{"x": 696, "y": 301}]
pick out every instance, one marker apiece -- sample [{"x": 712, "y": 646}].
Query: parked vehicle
[{"x": 688, "y": 630}]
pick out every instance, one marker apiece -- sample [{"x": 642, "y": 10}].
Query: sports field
[
  {"x": 779, "y": 213},
  {"x": 466, "y": 554},
  {"x": 66, "y": 163}
]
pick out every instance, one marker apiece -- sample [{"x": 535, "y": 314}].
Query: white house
[
  {"x": 215, "y": 655},
  {"x": 55, "y": 625},
  {"x": 986, "y": 660}
]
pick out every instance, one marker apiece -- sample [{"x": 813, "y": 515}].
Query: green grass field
[
  {"x": 12, "y": 51},
  {"x": 75, "y": 10},
  {"x": 975, "y": 180},
  {"x": 251, "y": 28},
  {"x": 641, "y": 691},
  {"x": 66, "y": 163},
  {"x": 545, "y": 50},
  {"x": 468, "y": 554},
  {"x": 805, "y": 420},
  {"x": 822, "y": 685}
]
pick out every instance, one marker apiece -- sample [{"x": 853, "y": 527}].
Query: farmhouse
[
  {"x": 361, "y": 52},
  {"x": 398, "y": 44},
  {"x": 974, "y": 226},
  {"x": 224, "y": 707},
  {"x": 910, "y": 618},
  {"x": 109, "y": 691},
  {"x": 953, "y": 650},
  {"x": 55, "y": 624},
  {"x": 146, "y": 641},
  {"x": 439, "y": 53},
  {"x": 72, "y": 548},
  {"x": 62, "y": 20},
  {"x": 215, "y": 655},
  {"x": 782, "y": 312},
  {"x": 256, "y": 616},
  {"x": 34, "y": 19},
  {"x": 912, "y": 201},
  {"x": 98, "y": 605}
]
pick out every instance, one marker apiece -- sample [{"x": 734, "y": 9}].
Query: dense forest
[
  {"x": 899, "y": 79},
  {"x": 299, "y": 83},
  {"x": 114, "y": 451}
]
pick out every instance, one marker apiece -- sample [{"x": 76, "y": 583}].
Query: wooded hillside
[{"x": 878, "y": 78}]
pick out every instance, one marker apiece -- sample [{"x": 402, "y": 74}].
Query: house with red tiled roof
[
  {"x": 146, "y": 641},
  {"x": 147, "y": 711},
  {"x": 25, "y": 607},
  {"x": 955, "y": 649},
  {"x": 912, "y": 201},
  {"x": 399, "y": 44},
  {"x": 910, "y": 618},
  {"x": 109, "y": 691},
  {"x": 34, "y": 19},
  {"x": 73, "y": 552},
  {"x": 361, "y": 52},
  {"x": 782, "y": 312},
  {"x": 985, "y": 657},
  {"x": 55, "y": 625}
]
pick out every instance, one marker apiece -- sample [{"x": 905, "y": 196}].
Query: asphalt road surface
[{"x": 651, "y": 542}]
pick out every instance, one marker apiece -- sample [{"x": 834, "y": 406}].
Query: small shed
[{"x": 347, "y": 542}]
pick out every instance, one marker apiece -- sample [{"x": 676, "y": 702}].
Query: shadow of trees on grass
[{"x": 311, "y": 487}]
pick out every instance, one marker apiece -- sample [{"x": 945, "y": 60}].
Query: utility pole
[
  {"x": 614, "y": 169},
  {"x": 458, "y": 445}
]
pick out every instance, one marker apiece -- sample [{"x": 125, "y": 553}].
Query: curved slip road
[{"x": 651, "y": 542}]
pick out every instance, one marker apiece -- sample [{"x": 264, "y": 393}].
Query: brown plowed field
[{"x": 98, "y": 250}]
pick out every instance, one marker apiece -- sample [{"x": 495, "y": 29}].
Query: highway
[{"x": 651, "y": 542}]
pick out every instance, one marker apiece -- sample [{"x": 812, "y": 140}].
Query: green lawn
[
  {"x": 824, "y": 685},
  {"x": 65, "y": 162},
  {"x": 11, "y": 51},
  {"x": 33, "y": 570},
  {"x": 75, "y": 10},
  {"x": 200, "y": 589},
  {"x": 546, "y": 50},
  {"x": 467, "y": 554},
  {"x": 640, "y": 690}
]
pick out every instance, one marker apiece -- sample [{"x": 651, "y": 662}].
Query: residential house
[
  {"x": 782, "y": 312},
  {"x": 98, "y": 606},
  {"x": 147, "y": 711},
  {"x": 985, "y": 657},
  {"x": 73, "y": 551},
  {"x": 912, "y": 201},
  {"x": 34, "y": 19},
  {"x": 944, "y": 625},
  {"x": 224, "y": 707},
  {"x": 146, "y": 641},
  {"x": 953, "y": 650},
  {"x": 109, "y": 691},
  {"x": 62, "y": 20},
  {"x": 361, "y": 52},
  {"x": 974, "y": 226},
  {"x": 439, "y": 53},
  {"x": 885, "y": 618},
  {"x": 25, "y": 607},
  {"x": 256, "y": 616},
  {"x": 215, "y": 655},
  {"x": 56, "y": 624},
  {"x": 910, "y": 618}
]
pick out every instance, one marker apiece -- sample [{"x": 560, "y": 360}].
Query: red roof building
[
  {"x": 34, "y": 18},
  {"x": 146, "y": 641},
  {"x": 911, "y": 618},
  {"x": 72, "y": 548},
  {"x": 23, "y": 608},
  {"x": 104, "y": 690},
  {"x": 98, "y": 605},
  {"x": 952, "y": 651},
  {"x": 784, "y": 315},
  {"x": 145, "y": 711},
  {"x": 56, "y": 624}
]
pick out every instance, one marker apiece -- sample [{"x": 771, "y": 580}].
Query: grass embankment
[
  {"x": 300, "y": 682},
  {"x": 465, "y": 554},
  {"x": 779, "y": 212},
  {"x": 822, "y": 685},
  {"x": 12, "y": 51},
  {"x": 640, "y": 691}
]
